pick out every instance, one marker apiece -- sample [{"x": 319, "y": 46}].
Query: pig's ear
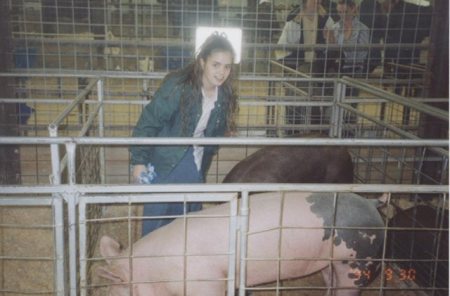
[
  {"x": 110, "y": 273},
  {"x": 109, "y": 248}
]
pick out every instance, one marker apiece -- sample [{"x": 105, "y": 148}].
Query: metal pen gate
[
  {"x": 376, "y": 160},
  {"x": 100, "y": 195}
]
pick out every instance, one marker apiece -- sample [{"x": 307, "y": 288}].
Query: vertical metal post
[
  {"x": 232, "y": 246},
  {"x": 243, "y": 247},
  {"x": 101, "y": 128},
  {"x": 59, "y": 215},
  {"x": 71, "y": 165},
  {"x": 59, "y": 264},
  {"x": 54, "y": 153},
  {"x": 136, "y": 22},
  {"x": 82, "y": 245},
  {"x": 336, "y": 111},
  {"x": 71, "y": 200}
]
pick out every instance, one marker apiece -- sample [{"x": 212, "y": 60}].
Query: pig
[
  {"x": 294, "y": 164},
  {"x": 294, "y": 226}
]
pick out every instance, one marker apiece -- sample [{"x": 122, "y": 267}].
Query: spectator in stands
[
  {"x": 347, "y": 32},
  {"x": 371, "y": 15},
  {"x": 197, "y": 101},
  {"x": 305, "y": 25}
]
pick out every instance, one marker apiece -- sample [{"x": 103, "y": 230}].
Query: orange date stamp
[{"x": 389, "y": 275}]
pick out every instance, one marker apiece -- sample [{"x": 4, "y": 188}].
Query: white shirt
[
  {"x": 207, "y": 106},
  {"x": 292, "y": 33}
]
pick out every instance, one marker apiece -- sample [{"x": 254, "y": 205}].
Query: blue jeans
[{"x": 185, "y": 172}]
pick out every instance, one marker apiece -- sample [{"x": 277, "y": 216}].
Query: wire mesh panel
[
  {"x": 261, "y": 114},
  {"x": 400, "y": 263},
  {"x": 131, "y": 35},
  {"x": 189, "y": 248},
  {"x": 149, "y": 36},
  {"x": 31, "y": 253},
  {"x": 394, "y": 274},
  {"x": 38, "y": 101},
  {"x": 405, "y": 248},
  {"x": 416, "y": 246}
]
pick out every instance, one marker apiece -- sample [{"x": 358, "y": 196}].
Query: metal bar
[
  {"x": 71, "y": 164},
  {"x": 244, "y": 221},
  {"x": 382, "y": 123},
  {"x": 444, "y": 169},
  {"x": 60, "y": 270},
  {"x": 408, "y": 67},
  {"x": 290, "y": 86},
  {"x": 141, "y": 75},
  {"x": 101, "y": 128},
  {"x": 293, "y": 103},
  {"x": 71, "y": 200},
  {"x": 18, "y": 201},
  {"x": 390, "y": 127},
  {"x": 89, "y": 121},
  {"x": 235, "y": 187},
  {"x": 258, "y": 101},
  {"x": 188, "y": 44},
  {"x": 433, "y": 111},
  {"x": 337, "y": 112},
  {"x": 78, "y": 99},
  {"x": 289, "y": 69},
  {"x": 82, "y": 245},
  {"x": 160, "y": 197},
  {"x": 160, "y": 75},
  {"x": 127, "y": 141},
  {"x": 85, "y": 74},
  {"x": 232, "y": 246},
  {"x": 55, "y": 178}
]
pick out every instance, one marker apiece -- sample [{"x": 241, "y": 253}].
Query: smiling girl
[{"x": 197, "y": 101}]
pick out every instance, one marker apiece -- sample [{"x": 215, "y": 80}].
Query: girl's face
[{"x": 216, "y": 68}]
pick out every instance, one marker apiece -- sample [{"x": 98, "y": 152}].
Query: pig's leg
[
  {"x": 327, "y": 278},
  {"x": 345, "y": 278},
  {"x": 338, "y": 276}
]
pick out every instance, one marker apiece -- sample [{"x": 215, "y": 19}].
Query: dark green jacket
[{"x": 162, "y": 118}]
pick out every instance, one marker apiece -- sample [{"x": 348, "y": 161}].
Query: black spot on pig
[
  {"x": 354, "y": 213},
  {"x": 294, "y": 164}
]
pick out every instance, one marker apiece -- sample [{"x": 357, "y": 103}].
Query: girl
[{"x": 197, "y": 101}]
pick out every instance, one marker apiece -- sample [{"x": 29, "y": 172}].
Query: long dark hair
[{"x": 192, "y": 76}]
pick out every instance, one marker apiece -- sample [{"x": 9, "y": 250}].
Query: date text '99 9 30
[{"x": 403, "y": 274}]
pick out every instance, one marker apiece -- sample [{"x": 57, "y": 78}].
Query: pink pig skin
[{"x": 159, "y": 267}]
